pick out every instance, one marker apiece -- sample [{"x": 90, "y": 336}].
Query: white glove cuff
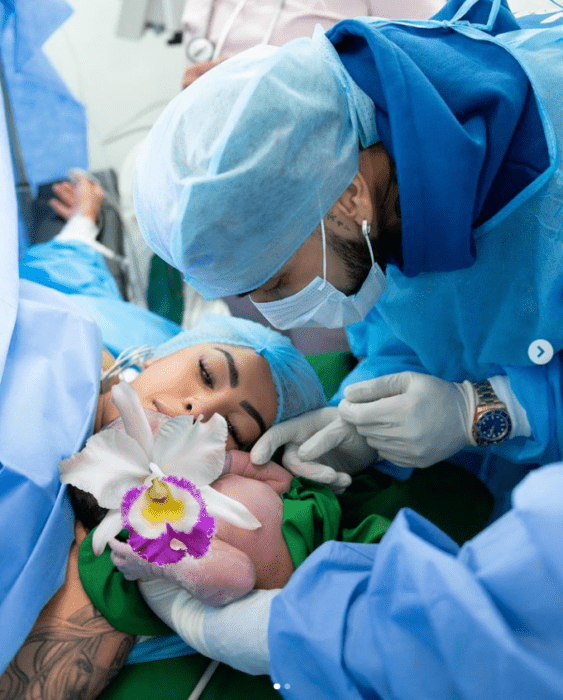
[
  {"x": 470, "y": 396},
  {"x": 503, "y": 389},
  {"x": 181, "y": 611},
  {"x": 237, "y": 634}
]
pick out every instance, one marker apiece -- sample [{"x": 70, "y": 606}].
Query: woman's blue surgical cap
[
  {"x": 297, "y": 385},
  {"x": 240, "y": 168}
]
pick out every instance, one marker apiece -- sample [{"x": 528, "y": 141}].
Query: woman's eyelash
[
  {"x": 205, "y": 374},
  {"x": 234, "y": 434}
]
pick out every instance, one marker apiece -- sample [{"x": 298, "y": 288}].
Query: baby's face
[{"x": 206, "y": 379}]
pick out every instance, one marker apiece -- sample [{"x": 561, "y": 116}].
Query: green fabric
[
  {"x": 448, "y": 495},
  {"x": 331, "y": 368},
  {"x": 119, "y": 600},
  {"x": 174, "y": 679},
  {"x": 164, "y": 293},
  {"x": 311, "y": 516}
]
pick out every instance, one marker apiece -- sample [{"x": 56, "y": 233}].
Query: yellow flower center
[{"x": 161, "y": 504}]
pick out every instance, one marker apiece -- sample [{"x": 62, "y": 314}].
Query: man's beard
[{"x": 356, "y": 258}]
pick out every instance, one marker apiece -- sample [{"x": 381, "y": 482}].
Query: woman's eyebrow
[
  {"x": 253, "y": 413},
  {"x": 233, "y": 371}
]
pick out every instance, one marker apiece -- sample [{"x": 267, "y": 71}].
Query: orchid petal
[
  {"x": 109, "y": 527},
  {"x": 221, "y": 506},
  {"x": 110, "y": 464},
  {"x": 192, "y": 449},
  {"x": 127, "y": 402}
]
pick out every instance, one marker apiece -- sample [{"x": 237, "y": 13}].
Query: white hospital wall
[{"x": 114, "y": 78}]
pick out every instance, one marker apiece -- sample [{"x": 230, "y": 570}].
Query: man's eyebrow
[
  {"x": 249, "y": 408},
  {"x": 233, "y": 371}
]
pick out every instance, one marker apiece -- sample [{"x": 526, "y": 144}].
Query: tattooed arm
[{"x": 72, "y": 652}]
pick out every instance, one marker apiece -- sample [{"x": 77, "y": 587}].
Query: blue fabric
[
  {"x": 75, "y": 268},
  {"x": 415, "y": 617},
  {"x": 159, "y": 648},
  {"x": 428, "y": 108},
  {"x": 477, "y": 322},
  {"x": 51, "y": 124},
  {"x": 206, "y": 169},
  {"x": 9, "y": 243},
  {"x": 48, "y": 397}
]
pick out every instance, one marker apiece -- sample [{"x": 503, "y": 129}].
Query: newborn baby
[{"x": 238, "y": 559}]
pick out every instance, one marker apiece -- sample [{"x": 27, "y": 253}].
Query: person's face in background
[
  {"x": 206, "y": 379},
  {"x": 373, "y": 196}
]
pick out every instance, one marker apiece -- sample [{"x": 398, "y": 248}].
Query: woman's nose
[{"x": 205, "y": 405}]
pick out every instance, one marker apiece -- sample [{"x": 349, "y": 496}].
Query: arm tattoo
[{"x": 70, "y": 659}]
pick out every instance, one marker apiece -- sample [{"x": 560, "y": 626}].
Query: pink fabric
[{"x": 298, "y": 18}]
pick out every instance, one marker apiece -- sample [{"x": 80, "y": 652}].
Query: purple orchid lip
[{"x": 160, "y": 550}]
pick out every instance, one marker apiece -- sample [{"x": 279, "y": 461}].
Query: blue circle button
[{"x": 540, "y": 352}]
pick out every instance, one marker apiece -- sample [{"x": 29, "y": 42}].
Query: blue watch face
[{"x": 493, "y": 426}]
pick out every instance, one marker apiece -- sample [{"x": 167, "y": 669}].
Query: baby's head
[{"x": 250, "y": 374}]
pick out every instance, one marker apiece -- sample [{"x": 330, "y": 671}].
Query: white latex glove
[
  {"x": 411, "y": 419},
  {"x": 236, "y": 634},
  {"x": 341, "y": 452}
]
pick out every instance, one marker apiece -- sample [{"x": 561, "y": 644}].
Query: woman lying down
[{"x": 205, "y": 525}]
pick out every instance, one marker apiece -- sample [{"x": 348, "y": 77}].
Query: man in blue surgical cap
[{"x": 369, "y": 174}]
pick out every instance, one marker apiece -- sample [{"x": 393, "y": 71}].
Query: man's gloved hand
[
  {"x": 411, "y": 419},
  {"x": 321, "y": 435}
]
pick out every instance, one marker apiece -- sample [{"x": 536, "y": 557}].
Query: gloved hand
[
  {"x": 340, "y": 450},
  {"x": 411, "y": 419},
  {"x": 236, "y": 634},
  {"x": 224, "y": 574}
]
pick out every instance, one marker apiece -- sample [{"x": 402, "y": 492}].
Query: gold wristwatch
[{"x": 491, "y": 423}]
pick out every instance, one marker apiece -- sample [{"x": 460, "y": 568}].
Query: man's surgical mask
[{"x": 321, "y": 305}]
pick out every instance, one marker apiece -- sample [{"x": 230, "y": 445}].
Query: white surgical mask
[{"x": 321, "y": 305}]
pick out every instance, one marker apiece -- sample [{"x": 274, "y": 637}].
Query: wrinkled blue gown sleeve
[
  {"x": 379, "y": 351},
  {"x": 417, "y": 618},
  {"x": 539, "y": 388}
]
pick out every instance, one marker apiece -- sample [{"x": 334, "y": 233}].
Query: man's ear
[{"x": 356, "y": 201}]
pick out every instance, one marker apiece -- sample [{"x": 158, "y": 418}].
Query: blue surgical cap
[
  {"x": 240, "y": 168},
  {"x": 297, "y": 385}
]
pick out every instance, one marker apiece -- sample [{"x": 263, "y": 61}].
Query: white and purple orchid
[{"x": 157, "y": 487}]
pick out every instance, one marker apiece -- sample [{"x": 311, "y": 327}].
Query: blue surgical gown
[
  {"x": 417, "y": 618},
  {"x": 482, "y": 295}
]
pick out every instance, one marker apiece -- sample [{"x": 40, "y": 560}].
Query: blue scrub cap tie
[
  {"x": 240, "y": 168},
  {"x": 297, "y": 385}
]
